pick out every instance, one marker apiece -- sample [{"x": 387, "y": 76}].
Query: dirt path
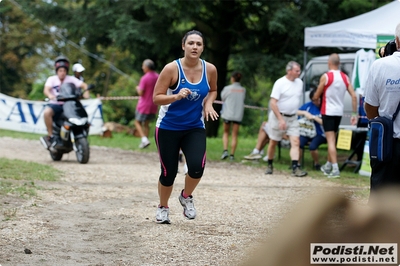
[{"x": 103, "y": 213}]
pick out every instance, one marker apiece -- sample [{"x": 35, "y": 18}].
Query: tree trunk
[{"x": 218, "y": 54}]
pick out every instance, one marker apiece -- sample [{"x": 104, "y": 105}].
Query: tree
[
  {"x": 23, "y": 42},
  {"x": 257, "y": 37},
  {"x": 141, "y": 27}
]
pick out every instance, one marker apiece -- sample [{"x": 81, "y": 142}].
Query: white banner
[
  {"x": 338, "y": 38},
  {"x": 27, "y": 116}
]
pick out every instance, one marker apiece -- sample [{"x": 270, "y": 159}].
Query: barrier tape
[
  {"x": 246, "y": 106},
  {"x": 113, "y": 98},
  {"x": 119, "y": 98}
]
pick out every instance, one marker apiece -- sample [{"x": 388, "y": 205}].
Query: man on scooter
[{"x": 51, "y": 90}]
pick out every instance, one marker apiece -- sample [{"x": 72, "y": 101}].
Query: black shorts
[
  {"x": 57, "y": 110},
  {"x": 331, "y": 123},
  {"x": 144, "y": 117}
]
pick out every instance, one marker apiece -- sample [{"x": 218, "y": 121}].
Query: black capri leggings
[{"x": 193, "y": 145}]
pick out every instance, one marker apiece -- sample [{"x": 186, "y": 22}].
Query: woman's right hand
[{"x": 183, "y": 93}]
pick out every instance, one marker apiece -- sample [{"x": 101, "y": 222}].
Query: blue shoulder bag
[{"x": 381, "y": 137}]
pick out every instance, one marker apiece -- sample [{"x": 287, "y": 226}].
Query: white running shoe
[
  {"x": 326, "y": 169},
  {"x": 189, "y": 211},
  {"x": 253, "y": 156},
  {"x": 265, "y": 158},
  {"x": 162, "y": 215},
  {"x": 334, "y": 174},
  {"x": 145, "y": 144}
]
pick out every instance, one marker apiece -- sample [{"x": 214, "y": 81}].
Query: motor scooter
[{"x": 71, "y": 130}]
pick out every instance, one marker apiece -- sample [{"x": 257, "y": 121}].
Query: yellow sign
[{"x": 344, "y": 139}]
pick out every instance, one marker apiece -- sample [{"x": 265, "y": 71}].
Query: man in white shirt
[
  {"x": 285, "y": 101},
  {"x": 382, "y": 96}
]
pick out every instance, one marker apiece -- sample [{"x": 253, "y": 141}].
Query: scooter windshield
[
  {"x": 74, "y": 109},
  {"x": 68, "y": 91}
]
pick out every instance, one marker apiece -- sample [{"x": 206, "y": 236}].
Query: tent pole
[{"x": 305, "y": 74}]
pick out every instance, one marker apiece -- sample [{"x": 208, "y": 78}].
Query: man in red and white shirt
[{"x": 333, "y": 86}]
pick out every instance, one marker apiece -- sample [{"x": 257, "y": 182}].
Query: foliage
[
  {"x": 121, "y": 111},
  {"x": 36, "y": 94},
  {"x": 23, "y": 43},
  {"x": 255, "y": 37}
]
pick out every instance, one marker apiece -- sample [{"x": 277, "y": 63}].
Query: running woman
[{"x": 185, "y": 90}]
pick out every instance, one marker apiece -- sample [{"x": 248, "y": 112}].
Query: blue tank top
[{"x": 186, "y": 113}]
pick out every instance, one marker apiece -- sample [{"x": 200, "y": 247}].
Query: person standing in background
[
  {"x": 146, "y": 109},
  {"x": 382, "y": 96},
  {"x": 78, "y": 69},
  {"x": 333, "y": 86},
  {"x": 232, "y": 111},
  {"x": 185, "y": 91},
  {"x": 282, "y": 120}
]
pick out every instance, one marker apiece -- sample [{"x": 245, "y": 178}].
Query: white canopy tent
[{"x": 356, "y": 32}]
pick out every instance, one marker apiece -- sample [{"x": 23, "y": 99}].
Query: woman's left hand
[{"x": 211, "y": 113}]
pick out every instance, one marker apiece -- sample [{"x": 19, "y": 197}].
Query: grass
[
  {"x": 214, "y": 151},
  {"x": 19, "y": 177}
]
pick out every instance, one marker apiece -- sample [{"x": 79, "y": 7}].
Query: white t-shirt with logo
[{"x": 383, "y": 87}]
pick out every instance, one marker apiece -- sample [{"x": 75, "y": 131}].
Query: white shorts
[
  {"x": 292, "y": 127},
  {"x": 266, "y": 128}
]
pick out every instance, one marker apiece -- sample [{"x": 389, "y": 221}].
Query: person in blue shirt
[
  {"x": 185, "y": 90},
  {"x": 312, "y": 112}
]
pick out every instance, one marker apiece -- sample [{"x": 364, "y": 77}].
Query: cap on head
[{"x": 78, "y": 68}]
